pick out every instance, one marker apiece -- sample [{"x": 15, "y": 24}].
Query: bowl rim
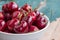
[{"x": 29, "y": 32}]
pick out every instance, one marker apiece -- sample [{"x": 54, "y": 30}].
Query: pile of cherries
[{"x": 14, "y": 19}]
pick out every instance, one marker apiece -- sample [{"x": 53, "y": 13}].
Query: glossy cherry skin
[
  {"x": 5, "y": 8},
  {"x": 23, "y": 11},
  {"x": 32, "y": 14},
  {"x": 33, "y": 28},
  {"x": 12, "y": 23},
  {"x": 30, "y": 18},
  {"x": 18, "y": 15},
  {"x": 41, "y": 22},
  {"x": 22, "y": 28},
  {"x": 6, "y": 28},
  {"x": 12, "y": 6},
  {"x": 1, "y": 15},
  {"x": 37, "y": 13},
  {"x": 27, "y": 7},
  {"x": 2, "y": 25}
]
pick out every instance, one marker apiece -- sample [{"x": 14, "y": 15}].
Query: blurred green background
[{"x": 52, "y": 9}]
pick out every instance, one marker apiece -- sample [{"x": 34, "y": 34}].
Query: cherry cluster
[{"x": 14, "y": 19}]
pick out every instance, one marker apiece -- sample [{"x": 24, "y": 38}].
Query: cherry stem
[{"x": 41, "y": 5}]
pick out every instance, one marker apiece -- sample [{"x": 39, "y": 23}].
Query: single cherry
[
  {"x": 23, "y": 11},
  {"x": 30, "y": 18},
  {"x": 1, "y": 15},
  {"x": 22, "y": 28},
  {"x": 2, "y": 25},
  {"x": 27, "y": 7},
  {"x": 17, "y": 14},
  {"x": 7, "y": 31},
  {"x": 33, "y": 28},
  {"x": 12, "y": 6},
  {"x": 41, "y": 22},
  {"x": 37, "y": 13},
  {"x": 12, "y": 23},
  {"x": 7, "y": 16},
  {"x": 32, "y": 14},
  {"x": 5, "y": 8}
]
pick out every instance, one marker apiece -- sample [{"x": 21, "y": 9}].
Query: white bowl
[{"x": 25, "y": 36}]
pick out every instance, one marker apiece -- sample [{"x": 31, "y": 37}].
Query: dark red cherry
[
  {"x": 7, "y": 16},
  {"x": 22, "y": 28},
  {"x": 18, "y": 15},
  {"x": 5, "y": 8},
  {"x": 2, "y": 25},
  {"x": 1, "y": 15},
  {"x": 7, "y": 31},
  {"x": 37, "y": 13},
  {"x": 23, "y": 11},
  {"x": 12, "y": 6},
  {"x": 33, "y": 28},
  {"x": 27, "y": 7},
  {"x": 41, "y": 22},
  {"x": 30, "y": 18},
  {"x": 12, "y": 24},
  {"x": 32, "y": 14}
]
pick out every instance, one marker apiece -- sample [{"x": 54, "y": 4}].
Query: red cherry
[
  {"x": 12, "y": 24},
  {"x": 2, "y": 25},
  {"x": 12, "y": 6},
  {"x": 23, "y": 11},
  {"x": 27, "y": 7},
  {"x": 18, "y": 15},
  {"x": 33, "y": 28},
  {"x": 22, "y": 28},
  {"x": 30, "y": 18},
  {"x": 1, "y": 15},
  {"x": 41, "y": 22},
  {"x": 32, "y": 14},
  {"x": 37, "y": 13},
  {"x": 5, "y": 8},
  {"x": 7, "y": 31},
  {"x": 7, "y": 16}
]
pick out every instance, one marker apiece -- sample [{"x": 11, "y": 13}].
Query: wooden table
[{"x": 53, "y": 31}]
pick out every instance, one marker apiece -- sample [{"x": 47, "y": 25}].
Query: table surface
[{"x": 54, "y": 31}]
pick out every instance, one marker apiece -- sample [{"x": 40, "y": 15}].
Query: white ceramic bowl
[{"x": 26, "y": 36}]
